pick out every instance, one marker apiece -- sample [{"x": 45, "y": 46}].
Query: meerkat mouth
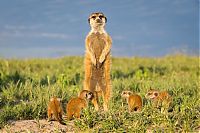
[{"x": 99, "y": 22}]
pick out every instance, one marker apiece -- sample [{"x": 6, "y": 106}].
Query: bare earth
[{"x": 37, "y": 126}]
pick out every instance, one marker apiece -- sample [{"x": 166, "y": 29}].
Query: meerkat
[
  {"x": 134, "y": 101},
  {"x": 97, "y": 58},
  {"x": 75, "y": 105},
  {"x": 159, "y": 98},
  {"x": 55, "y": 110}
]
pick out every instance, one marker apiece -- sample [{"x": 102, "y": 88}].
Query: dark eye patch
[
  {"x": 93, "y": 17},
  {"x": 155, "y": 94},
  {"x": 101, "y": 16},
  {"x": 149, "y": 93}
]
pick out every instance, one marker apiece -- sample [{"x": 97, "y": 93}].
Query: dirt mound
[{"x": 37, "y": 126}]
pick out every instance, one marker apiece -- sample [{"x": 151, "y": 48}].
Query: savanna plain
[{"x": 26, "y": 85}]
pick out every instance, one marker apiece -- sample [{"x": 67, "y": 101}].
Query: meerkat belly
[{"x": 98, "y": 46}]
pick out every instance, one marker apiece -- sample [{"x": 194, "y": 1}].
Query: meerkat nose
[{"x": 98, "y": 20}]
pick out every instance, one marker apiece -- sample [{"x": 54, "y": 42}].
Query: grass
[{"x": 27, "y": 85}]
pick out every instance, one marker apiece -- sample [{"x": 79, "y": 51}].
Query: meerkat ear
[
  {"x": 89, "y": 20},
  {"x": 105, "y": 19}
]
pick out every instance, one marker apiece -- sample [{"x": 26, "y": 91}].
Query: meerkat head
[
  {"x": 55, "y": 98},
  {"x": 86, "y": 94},
  {"x": 152, "y": 94},
  {"x": 97, "y": 20},
  {"x": 126, "y": 94}
]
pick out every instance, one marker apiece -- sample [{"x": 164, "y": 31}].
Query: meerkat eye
[
  {"x": 90, "y": 93},
  {"x": 155, "y": 94},
  {"x": 101, "y": 16},
  {"x": 93, "y": 17}
]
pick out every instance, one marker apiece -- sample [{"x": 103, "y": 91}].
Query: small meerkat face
[
  {"x": 89, "y": 95},
  {"x": 126, "y": 94},
  {"x": 152, "y": 94},
  {"x": 86, "y": 94},
  {"x": 97, "y": 19}
]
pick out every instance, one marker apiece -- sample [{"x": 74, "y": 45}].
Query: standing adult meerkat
[
  {"x": 55, "y": 110},
  {"x": 134, "y": 100},
  {"x": 97, "y": 58},
  {"x": 159, "y": 98},
  {"x": 75, "y": 105}
]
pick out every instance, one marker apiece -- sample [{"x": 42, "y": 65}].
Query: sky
[{"x": 57, "y": 28}]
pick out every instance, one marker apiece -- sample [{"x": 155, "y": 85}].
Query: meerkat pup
[
  {"x": 159, "y": 98},
  {"x": 97, "y": 58},
  {"x": 75, "y": 105},
  {"x": 55, "y": 110},
  {"x": 134, "y": 100}
]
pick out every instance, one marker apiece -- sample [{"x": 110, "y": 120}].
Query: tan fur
[
  {"x": 55, "y": 110},
  {"x": 97, "y": 59},
  {"x": 159, "y": 98},
  {"x": 75, "y": 105},
  {"x": 134, "y": 101}
]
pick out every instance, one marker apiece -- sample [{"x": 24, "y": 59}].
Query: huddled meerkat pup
[
  {"x": 159, "y": 98},
  {"x": 55, "y": 110},
  {"x": 97, "y": 58},
  {"x": 134, "y": 100},
  {"x": 75, "y": 105}
]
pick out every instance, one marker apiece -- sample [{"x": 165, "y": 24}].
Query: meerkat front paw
[
  {"x": 94, "y": 61},
  {"x": 102, "y": 58}
]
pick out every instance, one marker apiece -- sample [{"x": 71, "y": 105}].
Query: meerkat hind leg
[
  {"x": 107, "y": 86},
  {"x": 93, "y": 84},
  {"x": 87, "y": 77},
  {"x": 105, "y": 95},
  {"x": 49, "y": 113}
]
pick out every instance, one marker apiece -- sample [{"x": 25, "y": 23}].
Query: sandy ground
[
  {"x": 37, "y": 126},
  {"x": 42, "y": 126}
]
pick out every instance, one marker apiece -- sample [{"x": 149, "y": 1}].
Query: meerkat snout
[{"x": 98, "y": 20}]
